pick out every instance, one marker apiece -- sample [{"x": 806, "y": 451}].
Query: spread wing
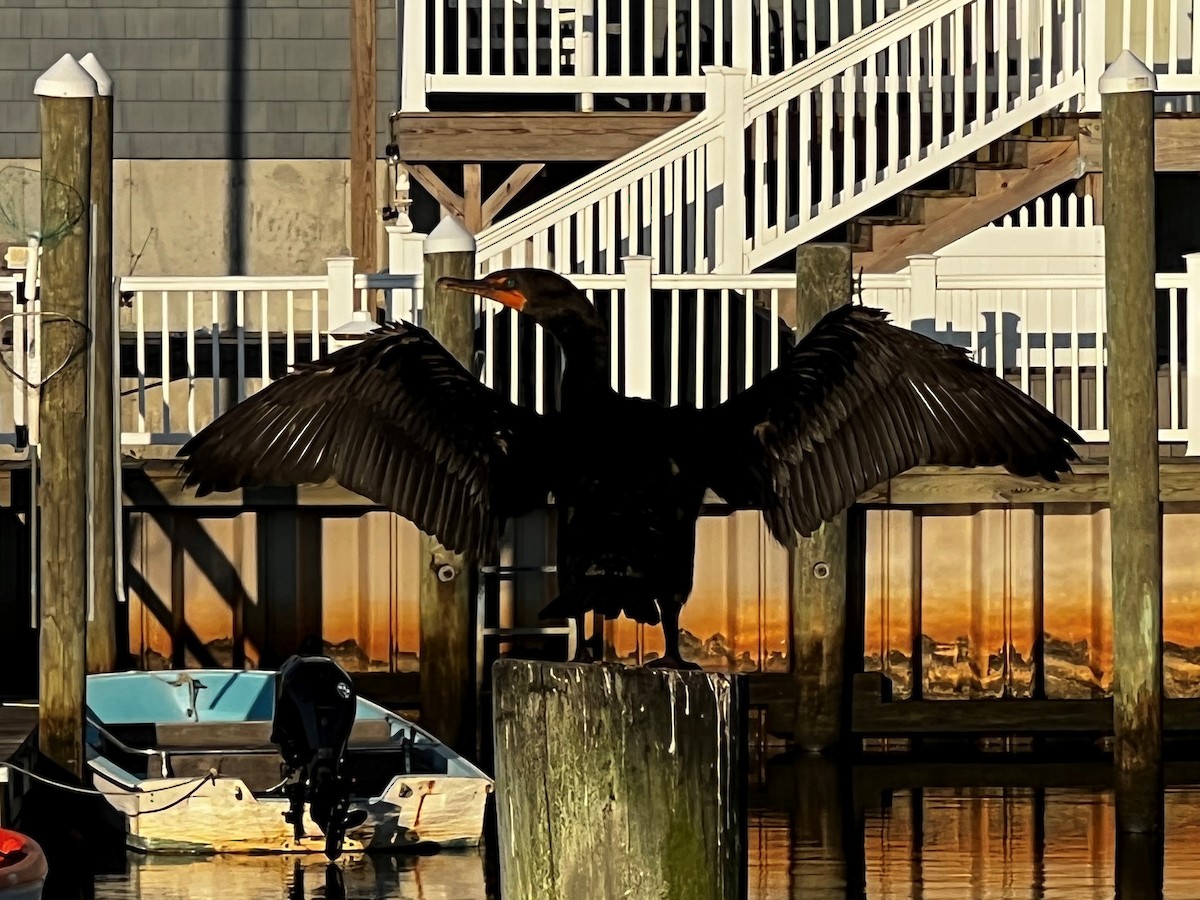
[
  {"x": 395, "y": 418},
  {"x": 856, "y": 402}
]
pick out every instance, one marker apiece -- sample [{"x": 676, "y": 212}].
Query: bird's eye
[{"x": 510, "y": 283}]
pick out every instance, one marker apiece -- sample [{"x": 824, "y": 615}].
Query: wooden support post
[
  {"x": 824, "y": 281},
  {"x": 446, "y": 595},
  {"x": 619, "y": 782},
  {"x": 1127, "y": 103},
  {"x": 363, "y": 229},
  {"x": 102, "y": 625},
  {"x": 473, "y": 197},
  {"x": 66, "y": 92}
]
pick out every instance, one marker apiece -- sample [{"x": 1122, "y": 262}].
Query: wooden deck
[{"x": 527, "y": 137}]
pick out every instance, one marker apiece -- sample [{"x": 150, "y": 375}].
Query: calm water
[{"x": 982, "y": 843}]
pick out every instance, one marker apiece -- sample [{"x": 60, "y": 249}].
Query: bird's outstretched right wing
[
  {"x": 858, "y": 401},
  {"x": 395, "y": 418}
]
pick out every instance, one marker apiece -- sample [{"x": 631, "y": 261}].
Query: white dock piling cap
[
  {"x": 449, "y": 237},
  {"x": 1127, "y": 75},
  {"x": 66, "y": 78},
  {"x": 104, "y": 84}
]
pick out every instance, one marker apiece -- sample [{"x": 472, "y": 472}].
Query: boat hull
[{"x": 226, "y": 817}]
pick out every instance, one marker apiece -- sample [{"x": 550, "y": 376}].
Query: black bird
[{"x": 397, "y": 419}]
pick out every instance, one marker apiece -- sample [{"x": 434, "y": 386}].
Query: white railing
[
  {"x": 1058, "y": 210},
  {"x": 679, "y": 339},
  {"x": 199, "y": 345},
  {"x": 766, "y": 168},
  {"x": 16, "y": 347},
  {"x": 613, "y": 47},
  {"x": 1165, "y": 35}
]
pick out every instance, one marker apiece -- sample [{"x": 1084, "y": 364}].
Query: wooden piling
[
  {"x": 363, "y": 227},
  {"x": 446, "y": 595},
  {"x": 824, "y": 281},
  {"x": 619, "y": 782},
  {"x": 66, "y": 92},
  {"x": 1127, "y": 111},
  {"x": 102, "y": 626}
]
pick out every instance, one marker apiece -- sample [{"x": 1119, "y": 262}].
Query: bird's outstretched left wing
[
  {"x": 856, "y": 402},
  {"x": 395, "y": 418}
]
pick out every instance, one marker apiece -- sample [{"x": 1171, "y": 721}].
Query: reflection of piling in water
[
  {"x": 826, "y": 830},
  {"x": 1139, "y": 866}
]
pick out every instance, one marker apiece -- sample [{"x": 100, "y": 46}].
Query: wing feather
[
  {"x": 395, "y": 418},
  {"x": 856, "y": 402}
]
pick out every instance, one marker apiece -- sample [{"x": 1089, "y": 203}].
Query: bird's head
[{"x": 544, "y": 296}]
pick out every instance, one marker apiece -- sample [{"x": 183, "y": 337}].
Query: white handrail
[{"x": 684, "y": 200}]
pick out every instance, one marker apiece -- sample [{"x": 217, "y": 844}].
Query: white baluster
[{"x": 638, "y": 331}]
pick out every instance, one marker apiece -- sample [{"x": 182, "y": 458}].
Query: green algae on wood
[{"x": 619, "y": 782}]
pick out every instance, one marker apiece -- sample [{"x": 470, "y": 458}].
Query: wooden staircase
[{"x": 994, "y": 181}]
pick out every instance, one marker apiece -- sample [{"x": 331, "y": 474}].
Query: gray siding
[{"x": 180, "y": 93}]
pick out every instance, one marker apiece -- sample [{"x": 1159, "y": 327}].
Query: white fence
[
  {"x": 661, "y": 47},
  {"x": 191, "y": 347},
  {"x": 619, "y": 48}
]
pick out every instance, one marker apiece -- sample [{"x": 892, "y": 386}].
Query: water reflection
[
  {"x": 815, "y": 833},
  {"x": 457, "y": 875}
]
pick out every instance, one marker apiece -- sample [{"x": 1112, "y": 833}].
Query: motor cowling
[{"x": 315, "y": 704}]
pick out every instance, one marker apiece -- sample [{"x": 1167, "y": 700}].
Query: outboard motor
[{"x": 314, "y": 712}]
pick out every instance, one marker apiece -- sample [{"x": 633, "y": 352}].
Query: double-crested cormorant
[{"x": 397, "y": 419}]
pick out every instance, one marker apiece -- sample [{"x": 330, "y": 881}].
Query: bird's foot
[{"x": 673, "y": 662}]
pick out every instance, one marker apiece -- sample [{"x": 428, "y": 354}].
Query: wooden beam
[
  {"x": 450, "y": 201},
  {"x": 512, "y": 186},
  {"x": 528, "y": 137},
  {"x": 66, "y": 127},
  {"x": 819, "y": 564},
  {"x": 1179, "y": 482},
  {"x": 1176, "y": 144},
  {"x": 1060, "y": 164},
  {"x": 473, "y": 197},
  {"x": 363, "y": 219},
  {"x": 1136, "y": 519}
]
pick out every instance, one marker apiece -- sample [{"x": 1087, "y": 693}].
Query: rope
[{"x": 211, "y": 775}]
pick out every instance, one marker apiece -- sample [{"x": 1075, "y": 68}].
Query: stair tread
[
  {"x": 939, "y": 193},
  {"x": 886, "y": 220},
  {"x": 987, "y": 164},
  {"x": 1039, "y": 138}
]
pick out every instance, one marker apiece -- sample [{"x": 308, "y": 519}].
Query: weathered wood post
[
  {"x": 447, "y": 630},
  {"x": 619, "y": 782},
  {"x": 105, "y": 465},
  {"x": 1127, "y": 111},
  {"x": 824, "y": 281},
  {"x": 66, "y": 92},
  {"x": 363, "y": 212}
]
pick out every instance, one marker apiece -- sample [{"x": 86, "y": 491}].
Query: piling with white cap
[
  {"x": 65, "y": 92},
  {"x": 447, "y": 637},
  {"x": 1127, "y": 121}
]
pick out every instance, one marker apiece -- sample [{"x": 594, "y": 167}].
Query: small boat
[
  {"x": 22, "y": 867},
  {"x": 186, "y": 757}
]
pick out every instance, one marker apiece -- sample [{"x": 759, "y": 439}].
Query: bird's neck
[{"x": 585, "y": 350}]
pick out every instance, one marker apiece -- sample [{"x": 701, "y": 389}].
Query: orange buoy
[{"x": 22, "y": 866}]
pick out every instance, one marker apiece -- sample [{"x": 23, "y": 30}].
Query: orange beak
[{"x": 492, "y": 289}]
